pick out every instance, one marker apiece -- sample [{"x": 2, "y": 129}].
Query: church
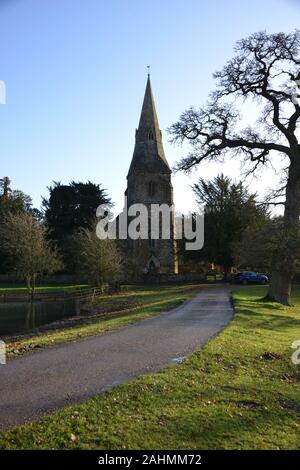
[{"x": 149, "y": 182}]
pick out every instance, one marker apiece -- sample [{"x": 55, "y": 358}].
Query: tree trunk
[
  {"x": 227, "y": 272},
  {"x": 28, "y": 282},
  {"x": 33, "y": 286},
  {"x": 284, "y": 262},
  {"x": 280, "y": 288}
]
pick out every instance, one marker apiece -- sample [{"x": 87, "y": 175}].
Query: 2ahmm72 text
[{"x": 148, "y": 459}]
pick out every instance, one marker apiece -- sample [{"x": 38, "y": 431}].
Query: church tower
[{"x": 149, "y": 182}]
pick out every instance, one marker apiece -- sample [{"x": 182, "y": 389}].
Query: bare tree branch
[{"x": 264, "y": 69}]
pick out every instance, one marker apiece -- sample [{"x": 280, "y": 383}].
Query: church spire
[
  {"x": 149, "y": 152},
  {"x": 148, "y": 121}
]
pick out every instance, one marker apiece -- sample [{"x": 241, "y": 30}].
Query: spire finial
[{"x": 148, "y": 67}]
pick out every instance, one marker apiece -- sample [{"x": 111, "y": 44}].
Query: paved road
[{"x": 39, "y": 383}]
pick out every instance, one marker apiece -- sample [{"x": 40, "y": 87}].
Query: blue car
[{"x": 250, "y": 277}]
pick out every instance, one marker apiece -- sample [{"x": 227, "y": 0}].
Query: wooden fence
[{"x": 78, "y": 294}]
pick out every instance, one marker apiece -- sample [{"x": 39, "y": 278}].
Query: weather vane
[{"x": 148, "y": 67}]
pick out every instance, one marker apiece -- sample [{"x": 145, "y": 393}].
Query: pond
[{"x": 20, "y": 317}]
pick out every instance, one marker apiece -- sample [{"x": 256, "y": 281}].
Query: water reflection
[{"x": 19, "y": 317}]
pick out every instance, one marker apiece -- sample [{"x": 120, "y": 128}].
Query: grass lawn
[
  {"x": 241, "y": 391},
  {"x": 10, "y": 287},
  {"x": 132, "y": 304}
]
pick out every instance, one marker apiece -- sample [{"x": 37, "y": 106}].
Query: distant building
[{"x": 149, "y": 182}]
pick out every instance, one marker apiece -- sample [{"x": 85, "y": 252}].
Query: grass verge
[{"x": 241, "y": 391}]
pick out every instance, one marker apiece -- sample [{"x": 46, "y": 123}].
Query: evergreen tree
[{"x": 228, "y": 210}]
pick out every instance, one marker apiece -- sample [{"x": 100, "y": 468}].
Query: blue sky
[{"x": 75, "y": 72}]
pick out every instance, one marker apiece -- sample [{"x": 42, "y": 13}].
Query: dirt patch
[
  {"x": 270, "y": 356},
  {"x": 289, "y": 405},
  {"x": 247, "y": 404},
  {"x": 288, "y": 378}
]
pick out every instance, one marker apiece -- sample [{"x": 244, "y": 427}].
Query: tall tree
[
  {"x": 266, "y": 70},
  {"x": 5, "y": 187},
  {"x": 256, "y": 247},
  {"x": 229, "y": 209},
  {"x": 23, "y": 239},
  {"x": 13, "y": 201},
  {"x": 98, "y": 261},
  {"x": 70, "y": 207}
]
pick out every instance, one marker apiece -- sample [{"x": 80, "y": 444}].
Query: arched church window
[
  {"x": 151, "y": 135},
  {"x": 151, "y": 267},
  {"x": 151, "y": 188}
]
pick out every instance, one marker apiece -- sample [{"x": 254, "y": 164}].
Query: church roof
[{"x": 148, "y": 153}]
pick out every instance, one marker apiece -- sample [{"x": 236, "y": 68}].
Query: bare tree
[
  {"x": 23, "y": 238},
  {"x": 98, "y": 261},
  {"x": 266, "y": 69}
]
